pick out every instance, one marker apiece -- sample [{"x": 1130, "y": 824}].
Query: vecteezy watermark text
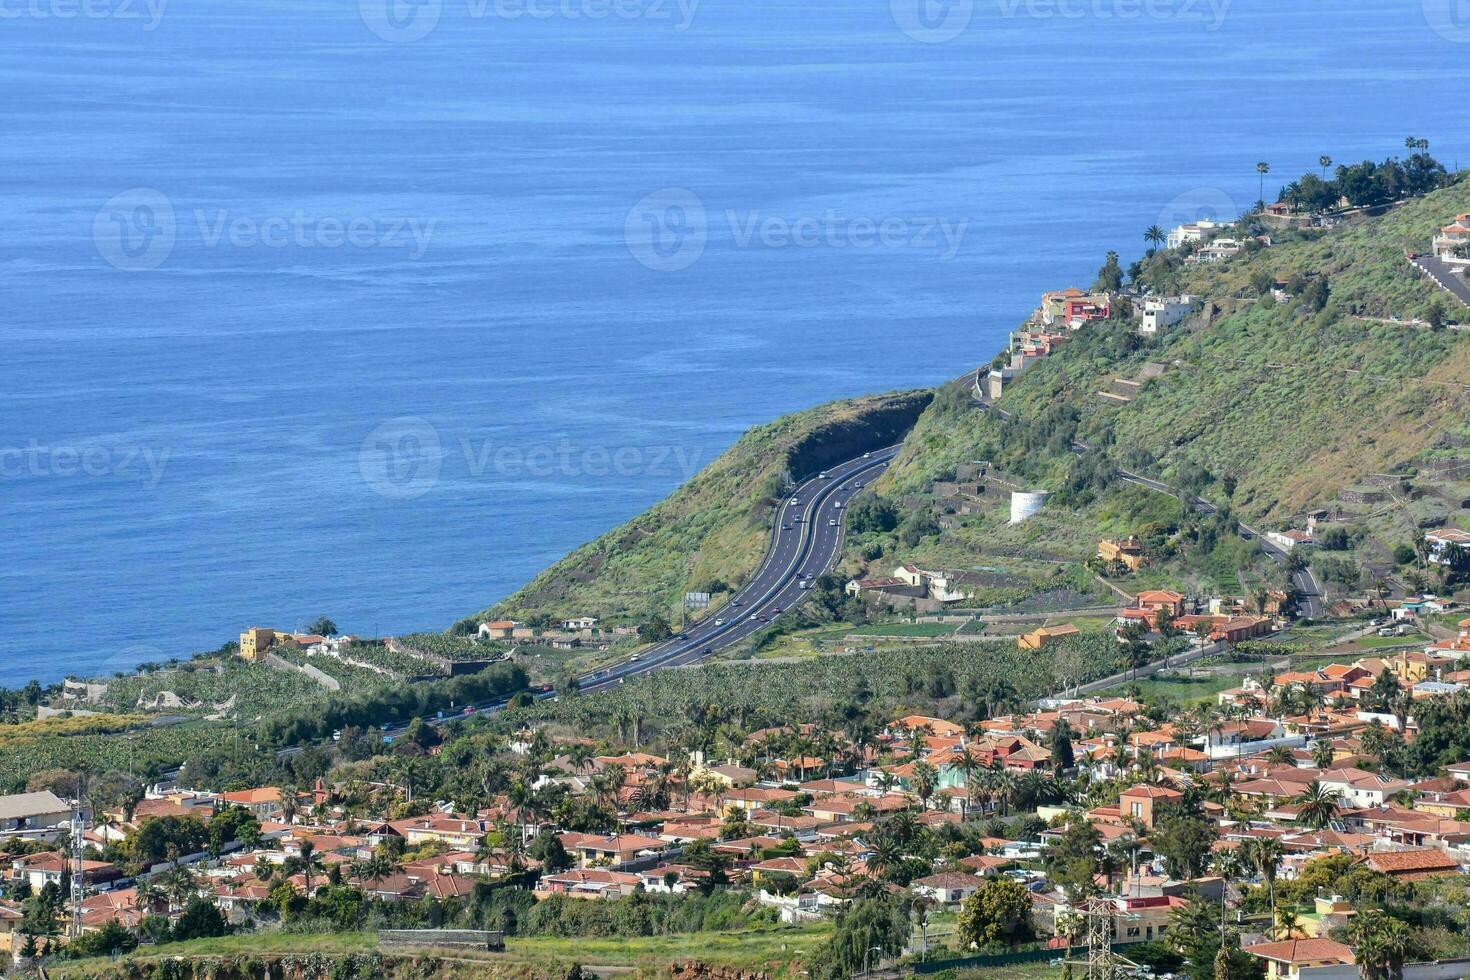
[
  {"x": 406, "y": 21},
  {"x": 938, "y": 21},
  {"x": 668, "y": 230},
  {"x": 405, "y": 457},
  {"x": 148, "y": 12},
  {"x": 138, "y": 229},
  {"x": 34, "y": 460},
  {"x": 301, "y": 230}
]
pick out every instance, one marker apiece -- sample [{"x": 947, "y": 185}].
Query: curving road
[{"x": 806, "y": 539}]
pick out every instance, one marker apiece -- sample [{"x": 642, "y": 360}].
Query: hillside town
[{"x": 1275, "y": 805}]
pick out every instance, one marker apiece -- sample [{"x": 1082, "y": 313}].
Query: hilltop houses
[
  {"x": 1444, "y": 544},
  {"x": 1072, "y": 308},
  {"x": 1163, "y": 312},
  {"x": 1452, "y": 244}
]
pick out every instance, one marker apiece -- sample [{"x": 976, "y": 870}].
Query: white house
[
  {"x": 1443, "y": 543},
  {"x": 33, "y": 814},
  {"x": 1162, "y": 312},
  {"x": 1287, "y": 540},
  {"x": 1453, "y": 240},
  {"x": 1193, "y": 232},
  {"x": 1217, "y": 251},
  {"x": 580, "y": 623},
  {"x": 949, "y": 887}
]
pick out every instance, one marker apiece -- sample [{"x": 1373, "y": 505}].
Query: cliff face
[{"x": 714, "y": 528}]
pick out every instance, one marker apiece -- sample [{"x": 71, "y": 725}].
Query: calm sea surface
[{"x": 375, "y": 310}]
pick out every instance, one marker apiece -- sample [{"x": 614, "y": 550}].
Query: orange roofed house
[
  {"x": 1040, "y": 639},
  {"x": 1285, "y": 960},
  {"x": 1147, "y": 606}
]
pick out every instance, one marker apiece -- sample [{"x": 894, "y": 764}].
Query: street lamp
[{"x": 867, "y": 969}]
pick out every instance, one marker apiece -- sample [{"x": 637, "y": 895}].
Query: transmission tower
[
  {"x": 1102, "y": 963},
  {"x": 78, "y": 868}
]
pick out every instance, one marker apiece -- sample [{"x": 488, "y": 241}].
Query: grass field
[
  {"x": 904, "y": 629},
  {"x": 773, "y": 949},
  {"x": 1184, "y": 690}
]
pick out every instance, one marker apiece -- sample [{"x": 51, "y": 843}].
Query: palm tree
[
  {"x": 1155, "y": 236},
  {"x": 290, "y": 805},
  {"x": 885, "y": 855},
  {"x": 1325, "y": 161},
  {"x": 1288, "y": 924},
  {"x": 1005, "y": 788},
  {"x": 310, "y": 863},
  {"x": 969, "y": 766},
  {"x": 1380, "y": 942},
  {"x": 1317, "y": 804},
  {"x": 925, "y": 779},
  {"x": 1264, "y": 855},
  {"x": 147, "y": 894},
  {"x": 1323, "y": 753},
  {"x": 1263, "y": 168}
]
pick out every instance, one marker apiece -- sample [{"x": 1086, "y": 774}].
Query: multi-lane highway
[{"x": 806, "y": 538}]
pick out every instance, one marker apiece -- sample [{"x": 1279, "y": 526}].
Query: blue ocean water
[{"x": 374, "y": 309}]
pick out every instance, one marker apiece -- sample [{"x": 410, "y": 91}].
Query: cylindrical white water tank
[{"x": 1026, "y": 503}]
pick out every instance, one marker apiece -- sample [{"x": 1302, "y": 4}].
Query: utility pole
[{"x": 78, "y": 827}]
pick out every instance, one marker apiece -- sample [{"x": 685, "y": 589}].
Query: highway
[{"x": 806, "y": 540}]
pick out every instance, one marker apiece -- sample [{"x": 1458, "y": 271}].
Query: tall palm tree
[
  {"x": 1317, "y": 804},
  {"x": 1155, "y": 236},
  {"x": 1005, "y": 788},
  {"x": 1264, "y": 855},
  {"x": 290, "y": 804},
  {"x": 1325, "y": 161},
  {"x": 969, "y": 766},
  {"x": 1263, "y": 168},
  {"x": 310, "y": 863},
  {"x": 926, "y": 779}
]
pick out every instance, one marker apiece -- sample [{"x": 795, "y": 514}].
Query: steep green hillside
[
  {"x": 714, "y": 529},
  {"x": 1276, "y": 406}
]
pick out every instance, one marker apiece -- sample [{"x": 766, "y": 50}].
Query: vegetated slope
[
  {"x": 713, "y": 529},
  {"x": 1294, "y": 400}
]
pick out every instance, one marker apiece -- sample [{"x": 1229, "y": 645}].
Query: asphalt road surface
[{"x": 806, "y": 539}]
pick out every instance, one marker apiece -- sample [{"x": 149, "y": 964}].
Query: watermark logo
[
  {"x": 1450, "y": 19},
  {"x": 932, "y": 21},
  {"x": 149, "y": 12},
  {"x": 400, "y": 459},
  {"x": 400, "y": 21},
  {"x": 306, "y": 231},
  {"x": 667, "y": 230},
  {"x": 138, "y": 229},
  {"x": 938, "y": 21},
  {"x": 406, "y": 21},
  {"x": 403, "y": 459},
  {"x": 1199, "y": 204},
  {"x": 143, "y": 464},
  {"x": 135, "y": 230}
]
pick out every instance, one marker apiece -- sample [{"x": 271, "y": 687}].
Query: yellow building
[
  {"x": 1046, "y": 636},
  {"x": 1127, "y": 552},
  {"x": 256, "y": 642}
]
